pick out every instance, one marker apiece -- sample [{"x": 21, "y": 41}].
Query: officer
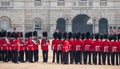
[
  {"x": 4, "y": 43},
  {"x": 30, "y": 46},
  {"x": 59, "y": 48},
  {"x": 54, "y": 46},
  {"x": 114, "y": 50},
  {"x": 65, "y": 49},
  {"x": 22, "y": 48},
  {"x": 106, "y": 50},
  {"x": 36, "y": 46},
  {"x": 87, "y": 48},
  {"x": 78, "y": 49},
  {"x": 44, "y": 46},
  {"x": 97, "y": 45}
]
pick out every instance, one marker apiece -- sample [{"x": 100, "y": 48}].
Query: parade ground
[{"x": 50, "y": 65}]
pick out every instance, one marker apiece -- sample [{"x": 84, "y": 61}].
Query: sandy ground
[{"x": 50, "y": 65}]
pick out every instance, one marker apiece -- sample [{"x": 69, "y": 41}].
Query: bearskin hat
[
  {"x": 70, "y": 35},
  {"x": 45, "y": 34},
  {"x": 114, "y": 37},
  {"x": 4, "y": 34},
  {"x": 96, "y": 36},
  {"x": 118, "y": 36},
  {"x": 8, "y": 34},
  {"x": 30, "y": 34},
  {"x": 0, "y": 34},
  {"x": 21, "y": 34},
  {"x": 26, "y": 35},
  {"x": 59, "y": 35},
  {"x": 77, "y": 36},
  {"x": 83, "y": 36},
  {"x": 88, "y": 35},
  {"x": 55, "y": 35},
  {"x": 101, "y": 37},
  {"x": 35, "y": 33},
  {"x": 105, "y": 36},
  {"x": 65, "y": 35},
  {"x": 74, "y": 35}
]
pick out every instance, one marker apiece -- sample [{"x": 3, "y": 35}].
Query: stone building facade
[{"x": 97, "y": 16}]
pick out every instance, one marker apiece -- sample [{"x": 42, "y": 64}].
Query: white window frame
[
  {"x": 103, "y": 2},
  {"x": 38, "y": 3},
  {"x": 7, "y": 3},
  {"x": 61, "y": 2}
]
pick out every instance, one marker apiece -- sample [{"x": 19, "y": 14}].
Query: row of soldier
[
  {"x": 79, "y": 48},
  {"x": 86, "y": 48}
]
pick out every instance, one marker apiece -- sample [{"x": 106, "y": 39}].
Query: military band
[{"x": 68, "y": 48}]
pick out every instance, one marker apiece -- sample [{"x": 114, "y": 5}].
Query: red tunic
[
  {"x": 4, "y": 44},
  {"x": 36, "y": 45},
  {"x": 97, "y": 45},
  {"x": 114, "y": 46},
  {"x": 54, "y": 44},
  {"x": 106, "y": 46},
  {"x": 65, "y": 47},
  {"x": 30, "y": 45},
  {"x": 71, "y": 44},
  {"x": 44, "y": 45},
  {"x": 15, "y": 45},
  {"x": 79, "y": 45},
  {"x": 59, "y": 45},
  {"x": 88, "y": 45},
  {"x": 22, "y": 46}
]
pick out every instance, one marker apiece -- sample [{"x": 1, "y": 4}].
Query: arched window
[
  {"x": 5, "y": 23},
  {"x": 37, "y": 23}
]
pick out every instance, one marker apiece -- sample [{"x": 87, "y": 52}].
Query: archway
[
  {"x": 103, "y": 26},
  {"x": 5, "y": 23},
  {"x": 61, "y": 25},
  {"x": 79, "y": 24}
]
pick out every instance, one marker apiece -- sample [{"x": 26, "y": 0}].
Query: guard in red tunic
[
  {"x": 4, "y": 43},
  {"x": 114, "y": 50},
  {"x": 106, "y": 50},
  {"x": 59, "y": 48},
  {"x": 54, "y": 46},
  {"x": 44, "y": 46},
  {"x": 65, "y": 49},
  {"x": 30, "y": 47},
  {"x": 87, "y": 48},
  {"x": 97, "y": 50},
  {"x": 0, "y": 47},
  {"x": 26, "y": 48},
  {"x": 71, "y": 47},
  {"x": 15, "y": 48},
  {"x": 22, "y": 48},
  {"x": 36, "y": 46},
  {"x": 78, "y": 49}
]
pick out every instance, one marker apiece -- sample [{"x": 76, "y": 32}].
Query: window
[
  {"x": 103, "y": 2},
  {"x": 38, "y": 3},
  {"x": 61, "y": 3},
  {"x": 6, "y": 3},
  {"x": 74, "y": 2},
  {"x": 37, "y": 24},
  {"x": 82, "y": 2}
]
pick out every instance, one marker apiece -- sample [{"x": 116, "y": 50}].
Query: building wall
[{"x": 23, "y": 13}]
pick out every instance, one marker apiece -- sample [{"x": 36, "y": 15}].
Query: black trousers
[
  {"x": 54, "y": 55},
  {"x": 5, "y": 56},
  {"x": 114, "y": 57},
  {"x": 59, "y": 56},
  {"x": 78, "y": 57},
  {"x": 104, "y": 56},
  {"x": 9, "y": 55},
  {"x": 95, "y": 59},
  {"x": 45, "y": 55},
  {"x": 65, "y": 58},
  {"x": 30, "y": 54},
  {"x": 26, "y": 55},
  {"x": 21, "y": 56},
  {"x": 0, "y": 55},
  {"x": 71, "y": 57},
  {"x": 15, "y": 56},
  {"x": 87, "y": 54},
  {"x": 36, "y": 57}
]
